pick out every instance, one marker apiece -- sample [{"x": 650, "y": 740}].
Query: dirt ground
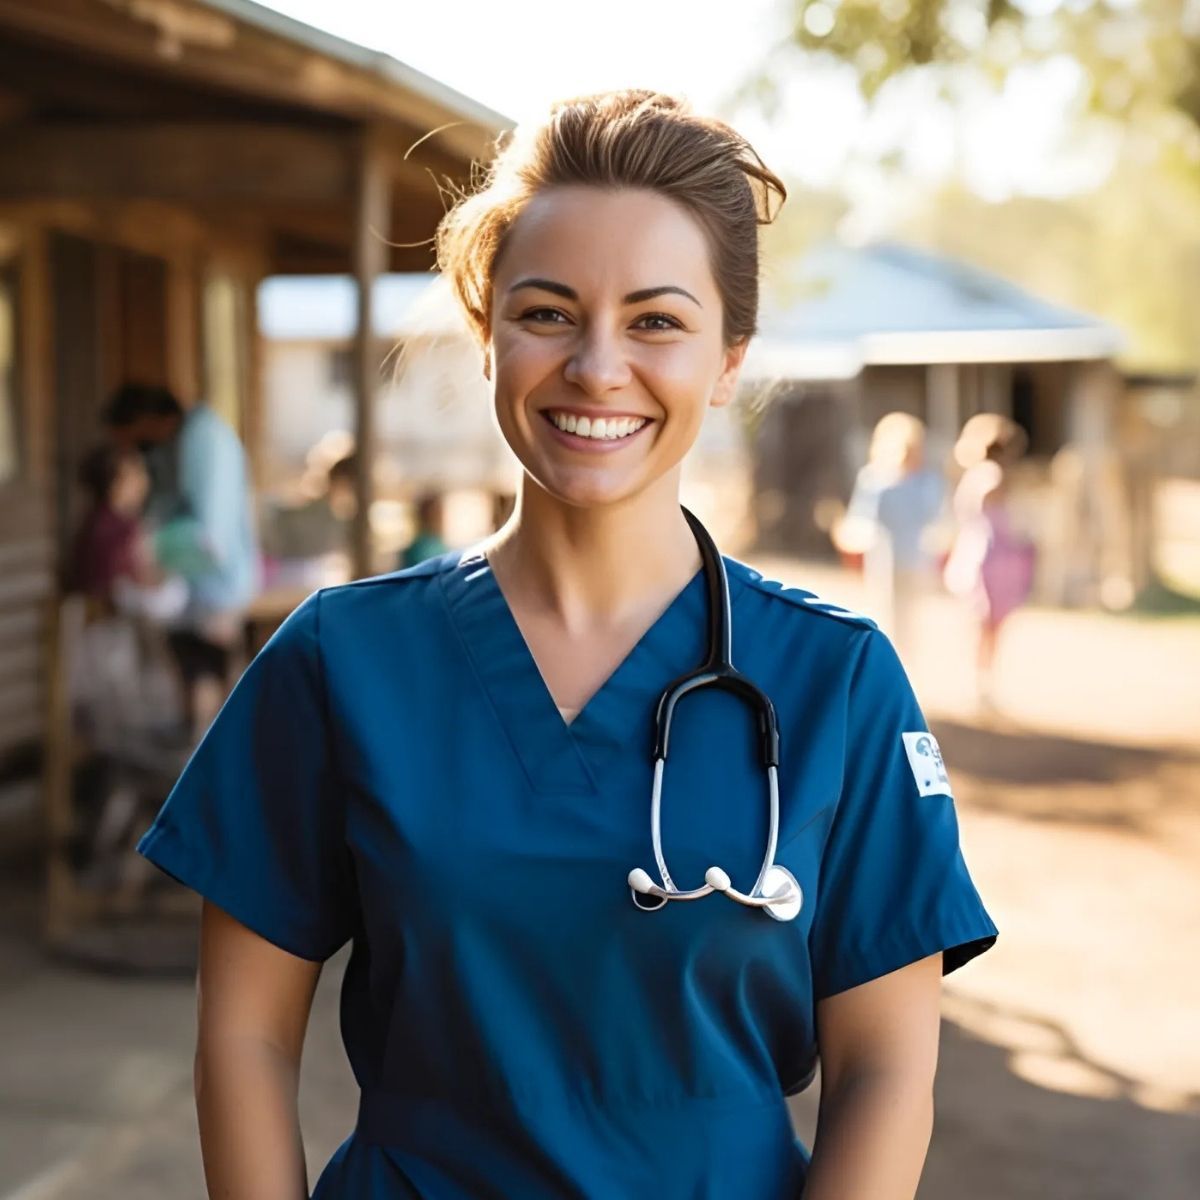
[{"x": 1070, "y": 1064}]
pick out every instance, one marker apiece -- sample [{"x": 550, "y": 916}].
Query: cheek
[
  {"x": 520, "y": 364},
  {"x": 681, "y": 377}
]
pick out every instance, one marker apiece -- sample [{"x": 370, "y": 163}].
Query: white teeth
[{"x": 607, "y": 429}]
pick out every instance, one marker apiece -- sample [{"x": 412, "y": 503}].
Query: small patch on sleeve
[{"x": 925, "y": 760}]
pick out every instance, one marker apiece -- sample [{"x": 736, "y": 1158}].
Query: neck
[{"x": 595, "y": 566}]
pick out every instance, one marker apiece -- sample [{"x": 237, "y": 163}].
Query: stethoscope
[{"x": 775, "y": 889}]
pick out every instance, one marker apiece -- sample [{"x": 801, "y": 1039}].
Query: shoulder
[
  {"x": 790, "y": 602},
  {"x": 851, "y": 656},
  {"x": 348, "y": 611},
  {"x": 205, "y": 431},
  {"x": 405, "y": 587}
]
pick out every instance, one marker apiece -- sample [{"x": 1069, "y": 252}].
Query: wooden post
[
  {"x": 997, "y": 380},
  {"x": 253, "y": 418},
  {"x": 372, "y": 220},
  {"x": 942, "y": 409}
]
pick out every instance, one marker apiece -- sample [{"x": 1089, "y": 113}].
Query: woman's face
[{"x": 606, "y": 320}]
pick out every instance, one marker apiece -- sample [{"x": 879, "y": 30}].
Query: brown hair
[{"x": 631, "y": 138}]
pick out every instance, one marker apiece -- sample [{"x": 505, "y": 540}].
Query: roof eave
[
  {"x": 437, "y": 101},
  {"x": 929, "y": 347}
]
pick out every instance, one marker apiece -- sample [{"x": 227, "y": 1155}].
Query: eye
[
  {"x": 544, "y": 316},
  {"x": 658, "y": 322}
]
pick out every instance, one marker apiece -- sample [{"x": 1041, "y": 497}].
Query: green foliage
[
  {"x": 880, "y": 39},
  {"x": 1130, "y": 250},
  {"x": 1144, "y": 52}
]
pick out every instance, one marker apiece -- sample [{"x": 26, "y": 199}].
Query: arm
[
  {"x": 879, "y": 1045},
  {"x": 254, "y": 1001}
]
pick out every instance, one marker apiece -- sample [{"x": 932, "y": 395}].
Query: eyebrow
[{"x": 568, "y": 293}]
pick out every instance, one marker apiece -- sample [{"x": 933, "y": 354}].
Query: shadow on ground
[
  {"x": 1049, "y": 777},
  {"x": 998, "y": 1136}
]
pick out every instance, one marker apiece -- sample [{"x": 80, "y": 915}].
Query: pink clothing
[
  {"x": 1006, "y": 571},
  {"x": 991, "y": 564}
]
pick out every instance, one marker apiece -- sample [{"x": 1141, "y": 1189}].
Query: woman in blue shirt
[{"x": 450, "y": 766}]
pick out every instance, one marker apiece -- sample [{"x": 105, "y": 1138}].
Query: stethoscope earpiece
[
  {"x": 640, "y": 882},
  {"x": 775, "y": 889},
  {"x": 717, "y": 879}
]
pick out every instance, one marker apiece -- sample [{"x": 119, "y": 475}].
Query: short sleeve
[
  {"x": 893, "y": 885},
  {"x": 255, "y": 821}
]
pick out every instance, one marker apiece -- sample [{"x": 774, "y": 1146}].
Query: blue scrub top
[{"x": 392, "y": 769}]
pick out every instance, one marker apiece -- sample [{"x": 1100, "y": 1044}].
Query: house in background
[
  {"x": 434, "y": 425},
  {"x": 157, "y": 160},
  {"x": 853, "y": 333}
]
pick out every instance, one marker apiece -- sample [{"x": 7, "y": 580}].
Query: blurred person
[
  {"x": 341, "y": 495},
  {"x": 201, "y": 510},
  {"x": 112, "y": 559},
  {"x": 428, "y": 541},
  {"x": 452, "y": 765},
  {"x": 124, "y": 701},
  {"x": 991, "y": 563},
  {"x": 298, "y": 539},
  {"x": 108, "y": 543},
  {"x": 893, "y": 509}
]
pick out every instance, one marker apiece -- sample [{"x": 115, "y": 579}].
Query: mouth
[{"x": 594, "y": 432}]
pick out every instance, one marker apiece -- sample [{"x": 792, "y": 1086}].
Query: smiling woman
[{"x": 450, "y": 765}]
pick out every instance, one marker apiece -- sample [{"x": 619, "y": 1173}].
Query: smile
[{"x": 598, "y": 429}]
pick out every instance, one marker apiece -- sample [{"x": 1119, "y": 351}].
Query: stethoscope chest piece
[
  {"x": 775, "y": 889},
  {"x": 786, "y": 897}
]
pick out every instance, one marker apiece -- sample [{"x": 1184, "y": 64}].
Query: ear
[{"x": 731, "y": 364}]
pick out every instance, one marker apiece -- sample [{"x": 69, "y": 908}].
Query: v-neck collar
[{"x": 617, "y": 720}]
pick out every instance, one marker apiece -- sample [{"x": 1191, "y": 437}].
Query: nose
[{"x": 598, "y": 363}]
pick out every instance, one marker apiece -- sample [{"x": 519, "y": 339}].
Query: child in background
[
  {"x": 108, "y": 544},
  {"x": 991, "y": 563},
  {"x": 124, "y": 696},
  {"x": 896, "y": 501},
  {"x": 112, "y": 562},
  {"x": 427, "y": 542}
]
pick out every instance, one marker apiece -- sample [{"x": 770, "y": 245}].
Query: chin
[{"x": 589, "y": 495}]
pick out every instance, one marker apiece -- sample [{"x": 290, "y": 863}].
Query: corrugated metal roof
[{"x": 891, "y": 303}]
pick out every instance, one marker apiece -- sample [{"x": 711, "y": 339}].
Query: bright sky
[{"x": 517, "y": 57}]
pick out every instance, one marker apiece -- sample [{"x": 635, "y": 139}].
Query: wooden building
[
  {"x": 860, "y": 332},
  {"x": 158, "y": 159}
]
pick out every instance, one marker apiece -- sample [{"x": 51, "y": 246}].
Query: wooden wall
[
  {"x": 27, "y": 550},
  {"x": 94, "y": 308}
]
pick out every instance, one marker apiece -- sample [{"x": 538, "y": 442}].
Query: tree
[
  {"x": 1129, "y": 249},
  {"x": 1138, "y": 55}
]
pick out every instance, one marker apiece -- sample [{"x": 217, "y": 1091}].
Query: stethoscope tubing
[{"x": 783, "y": 900}]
